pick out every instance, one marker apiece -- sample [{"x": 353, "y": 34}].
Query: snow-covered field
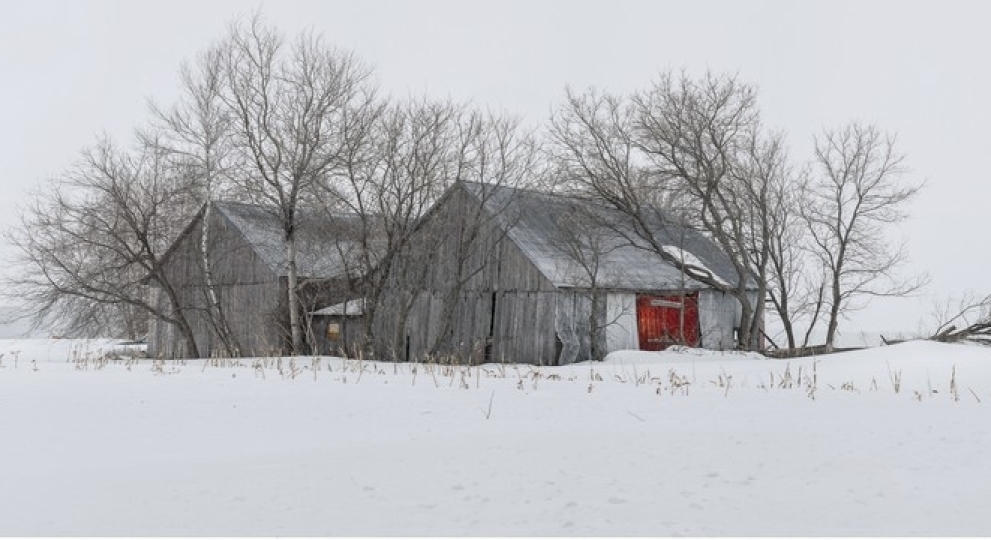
[{"x": 678, "y": 443}]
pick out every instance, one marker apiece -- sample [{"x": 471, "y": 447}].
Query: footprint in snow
[{"x": 616, "y": 500}]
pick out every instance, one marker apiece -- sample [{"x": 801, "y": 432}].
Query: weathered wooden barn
[
  {"x": 248, "y": 261},
  {"x": 505, "y": 274}
]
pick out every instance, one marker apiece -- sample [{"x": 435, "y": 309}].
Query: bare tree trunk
[
  {"x": 682, "y": 141},
  {"x": 816, "y": 313},
  {"x": 834, "y": 312},
  {"x": 597, "y": 349},
  {"x": 757, "y": 327},
  {"x": 217, "y": 313},
  {"x": 293, "y": 297},
  {"x": 746, "y": 320}
]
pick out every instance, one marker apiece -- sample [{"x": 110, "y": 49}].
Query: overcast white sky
[{"x": 70, "y": 70}]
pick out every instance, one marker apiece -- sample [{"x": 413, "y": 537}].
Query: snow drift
[{"x": 887, "y": 441}]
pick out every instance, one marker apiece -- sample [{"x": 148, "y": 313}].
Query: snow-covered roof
[
  {"x": 326, "y": 244},
  {"x": 550, "y": 230},
  {"x": 696, "y": 265},
  {"x": 348, "y": 308}
]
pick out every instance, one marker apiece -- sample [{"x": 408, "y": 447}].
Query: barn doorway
[{"x": 663, "y": 321}]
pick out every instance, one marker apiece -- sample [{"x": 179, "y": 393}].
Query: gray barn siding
[
  {"x": 718, "y": 316},
  {"x": 573, "y": 327},
  {"x": 469, "y": 331},
  {"x": 523, "y": 328},
  {"x": 503, "y": 266},
  {"x": 525, "y": 308},
  {"x": 157, "y": 329},
  {"x": 248, "y": 292}
]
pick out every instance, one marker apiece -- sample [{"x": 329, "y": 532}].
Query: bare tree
[
  {"x": 99, "y": 234},
  {"x": 493, "y": 152},
  {"x": 398, "y": 159},
  {"x": 776, "y": 235},
  {"x": 697, "y": 134},
  {"x": 857, "y": 190},
  {"x": 796, "y": 286},
  {"x": 588, "y": 240},
  {"x": 682, "y": 143},
  {"x": 290, "y": 105},
  {"x": 197, "y": 132}
]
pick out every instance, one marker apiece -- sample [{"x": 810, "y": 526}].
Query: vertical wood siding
[
  {"x": 717, "y": 318},
  {"x": 504, "y": 313},
  {"x": 248, "y": 291}
]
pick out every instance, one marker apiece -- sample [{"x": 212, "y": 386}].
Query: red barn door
[{"x": 659, "y": 321}]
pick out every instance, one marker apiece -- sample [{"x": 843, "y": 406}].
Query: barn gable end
[
  {"x": 246, "y": 286},
  {"x": 482, "y": 295},
  {"x": 248, "y": 260}
]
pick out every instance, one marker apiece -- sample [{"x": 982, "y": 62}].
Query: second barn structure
[
  {"x": 501, "y": 274},
  {"x": 247, "y": 253}
]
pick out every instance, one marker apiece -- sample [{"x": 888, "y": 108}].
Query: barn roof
[
  {"x": 325, "y": 243},
  {"x": 347, "y": 308},
  {"x": 557, "y": 232}
]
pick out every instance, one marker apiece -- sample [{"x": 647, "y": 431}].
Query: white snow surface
[{"x": 818, "y": 446}]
